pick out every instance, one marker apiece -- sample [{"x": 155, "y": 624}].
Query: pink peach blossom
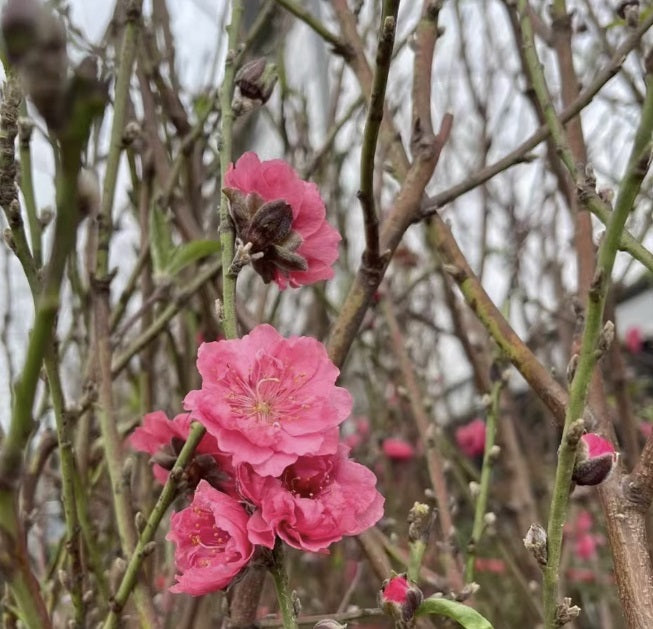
[
  {"x": 398, "y": 449},
  {"x": 163, "y": 438},
  {"x": 316, "y": 501},
  {"x": 298, "y": 253},
  {"x": 211, "y": 540},
  {"x": 646, "y": 428},
  {"x": 269, "y": 400},
  {"x": 471, "y": 438}
]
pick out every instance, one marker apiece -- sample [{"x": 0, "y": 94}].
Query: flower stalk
[
  {"x": 227, "y": 236},
  {"x": 282, "y": 588}
]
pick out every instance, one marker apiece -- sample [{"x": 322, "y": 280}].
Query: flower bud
[
  {"x": 400, "y": 598},
  {"x": 594, "y": 460},
  {"x": 629, "y": 12},
  {"x": 420, "y": 521},
  {"x": 88, "y": 192},
  {"x": 256, "y": 80},
  {"x": 536, "y": 542},
  {"x": 19, "y": 26},
  {"x": 566, "y": 612}
]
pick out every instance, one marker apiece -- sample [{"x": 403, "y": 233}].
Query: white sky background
[{"x": 197, "y": 26}]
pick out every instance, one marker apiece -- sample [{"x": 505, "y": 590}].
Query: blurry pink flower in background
[
  {"x": 316, "y": 501},
  {"x": 581, "y": 575},
  {"x": 363, "y": 427},
  {"x": 397, "y": 449},
  {"x": 584, "y": 541},
  {"x": 211, "y": 542},
  {"x": 646, "y": 428},
  {"x": 583, "y": 522},
  {"x": 490, "y": 564},
  {"x": 471, "y": 438},
  {"x": 585, "y": 546},
  {"x": 634, "y": 340},
  {"x": 285, "y": 220},
  {"x": 268, "y": 399},
  {"x": 357, "y": 431}
]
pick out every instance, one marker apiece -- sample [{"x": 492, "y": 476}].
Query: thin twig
[
  {"x": 339, "y": 46},
  {"x": 481, "y": 499},
  {"x": 371, "y": 130}
]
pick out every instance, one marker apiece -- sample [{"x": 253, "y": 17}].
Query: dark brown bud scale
[{"x": 267, "y": 225}]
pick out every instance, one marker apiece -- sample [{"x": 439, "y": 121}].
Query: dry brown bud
[
  {"x": 536, "y": 543},
  {"x": 256, "y": 80},
  {"x": 566, "y": 612},
  {"x": 88, "y": 192},
  {"x": 420, "y": 520}
]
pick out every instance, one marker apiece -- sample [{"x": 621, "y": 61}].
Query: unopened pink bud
[
  {"x": 595, "y": 459},
  {"x": 400, "y": 597}
]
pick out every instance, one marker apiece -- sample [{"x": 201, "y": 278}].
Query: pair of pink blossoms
[{"x": 272, "y": 411}]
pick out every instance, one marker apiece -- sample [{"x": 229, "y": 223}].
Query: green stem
[
  {"x": 631, "y": 183},
  {"x": 281, "y": 587},
  {"x": 62, "y": 421},
  {"x": 21, "y": 579},
  {"x": 415, "y": 556},
  {"x": 108, "y": 427},
  {"x": 484, "y": 485},
  {"x": 95, "y": 558},
  {"x": 147, "y": 535},
  {"x": 227, "y": 235}
]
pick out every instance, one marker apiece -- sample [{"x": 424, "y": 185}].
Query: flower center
[
  {"x": 268, "y": 395},
  {"x": 208, "y": 540},
  {"x": 307, "y": 483}
]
